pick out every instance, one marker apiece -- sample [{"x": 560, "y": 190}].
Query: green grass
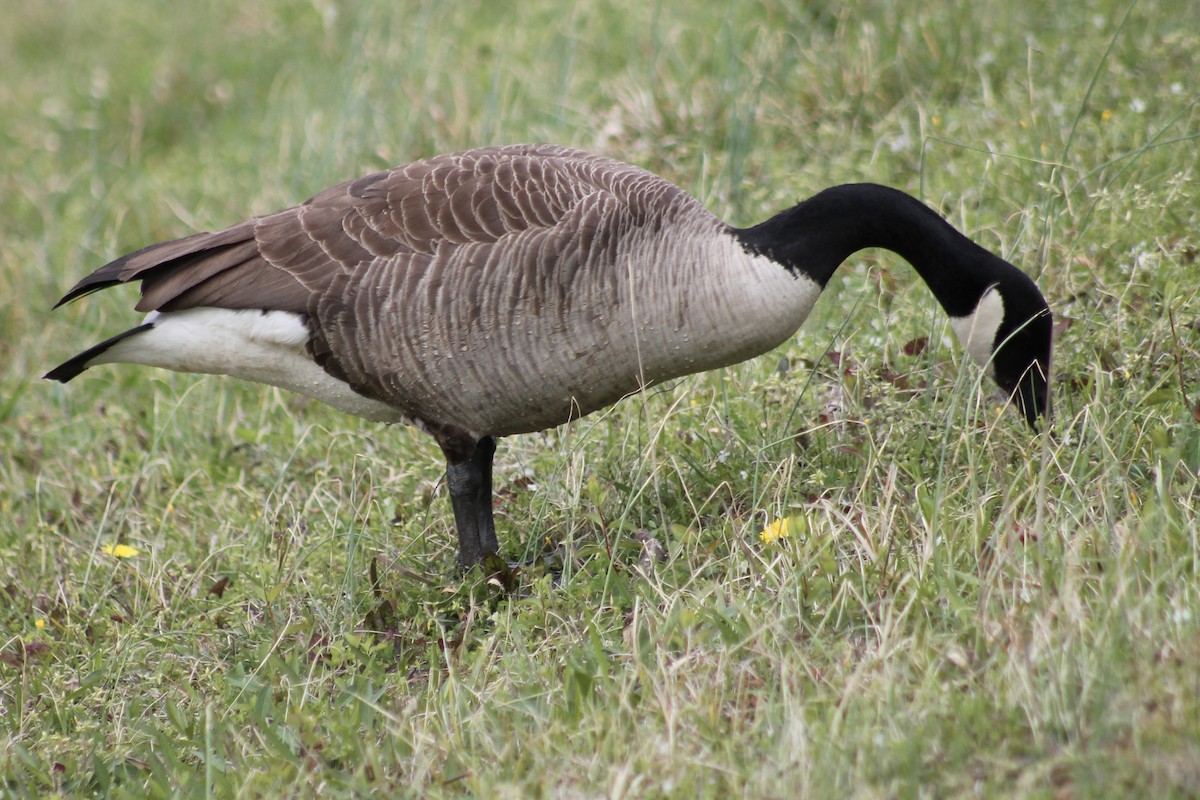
[{"x": 964, "y": 609}]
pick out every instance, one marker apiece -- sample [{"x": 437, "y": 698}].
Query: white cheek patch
[{"x": 977, "y": 330}]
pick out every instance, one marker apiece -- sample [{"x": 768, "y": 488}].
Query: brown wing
[{"x": 281, "y": 261}]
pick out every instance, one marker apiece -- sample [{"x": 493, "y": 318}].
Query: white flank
[
  {"x": 262, "y": 346},
  {"x": 977, "y": 331}
]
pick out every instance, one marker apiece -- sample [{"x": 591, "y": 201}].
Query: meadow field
[{"x": 210, "y": 588}]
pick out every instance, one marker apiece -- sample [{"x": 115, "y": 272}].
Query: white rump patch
[
  {"x": 261, "y": 346},
  {"x": 977, "y": 331}
]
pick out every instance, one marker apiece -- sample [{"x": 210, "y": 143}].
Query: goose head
[
  {"x": 1009, "y": 334},
  {"x": 995, "y": 309}
]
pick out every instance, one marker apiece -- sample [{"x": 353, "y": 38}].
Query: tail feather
[
  {"x": 129, "y": 265},
  {"x": 150, "y": 261},
  {"x": 72, "y": 367}
]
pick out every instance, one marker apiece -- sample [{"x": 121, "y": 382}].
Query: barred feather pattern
[{"x": 494, "y": 291}]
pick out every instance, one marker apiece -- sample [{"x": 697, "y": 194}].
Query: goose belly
[{"x": 261, "y": 346}]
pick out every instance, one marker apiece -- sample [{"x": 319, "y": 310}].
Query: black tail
[{"x": 69, "y": 369}]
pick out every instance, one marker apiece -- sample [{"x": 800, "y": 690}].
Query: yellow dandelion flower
[
  {"x": 1105, "y": 115},
  {"x": 119, "y": 550},
  {"x": 775, "y": 531},
  {"x": 39, "y": 623}
]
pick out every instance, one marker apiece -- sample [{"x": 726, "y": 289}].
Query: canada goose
[{"x": 505, "y": 290}]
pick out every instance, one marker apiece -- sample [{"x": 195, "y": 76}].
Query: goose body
[{"x": 506, "y": 290}]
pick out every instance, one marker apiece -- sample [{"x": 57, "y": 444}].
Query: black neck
[{"x": 816, "y": 236}]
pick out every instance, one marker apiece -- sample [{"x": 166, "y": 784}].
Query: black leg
[
  {"x": 485, "y": 451},
  {"x": 470, "y": 484}
]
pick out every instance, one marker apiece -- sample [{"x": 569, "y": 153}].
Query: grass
[{"x": 961, "y": 609}]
